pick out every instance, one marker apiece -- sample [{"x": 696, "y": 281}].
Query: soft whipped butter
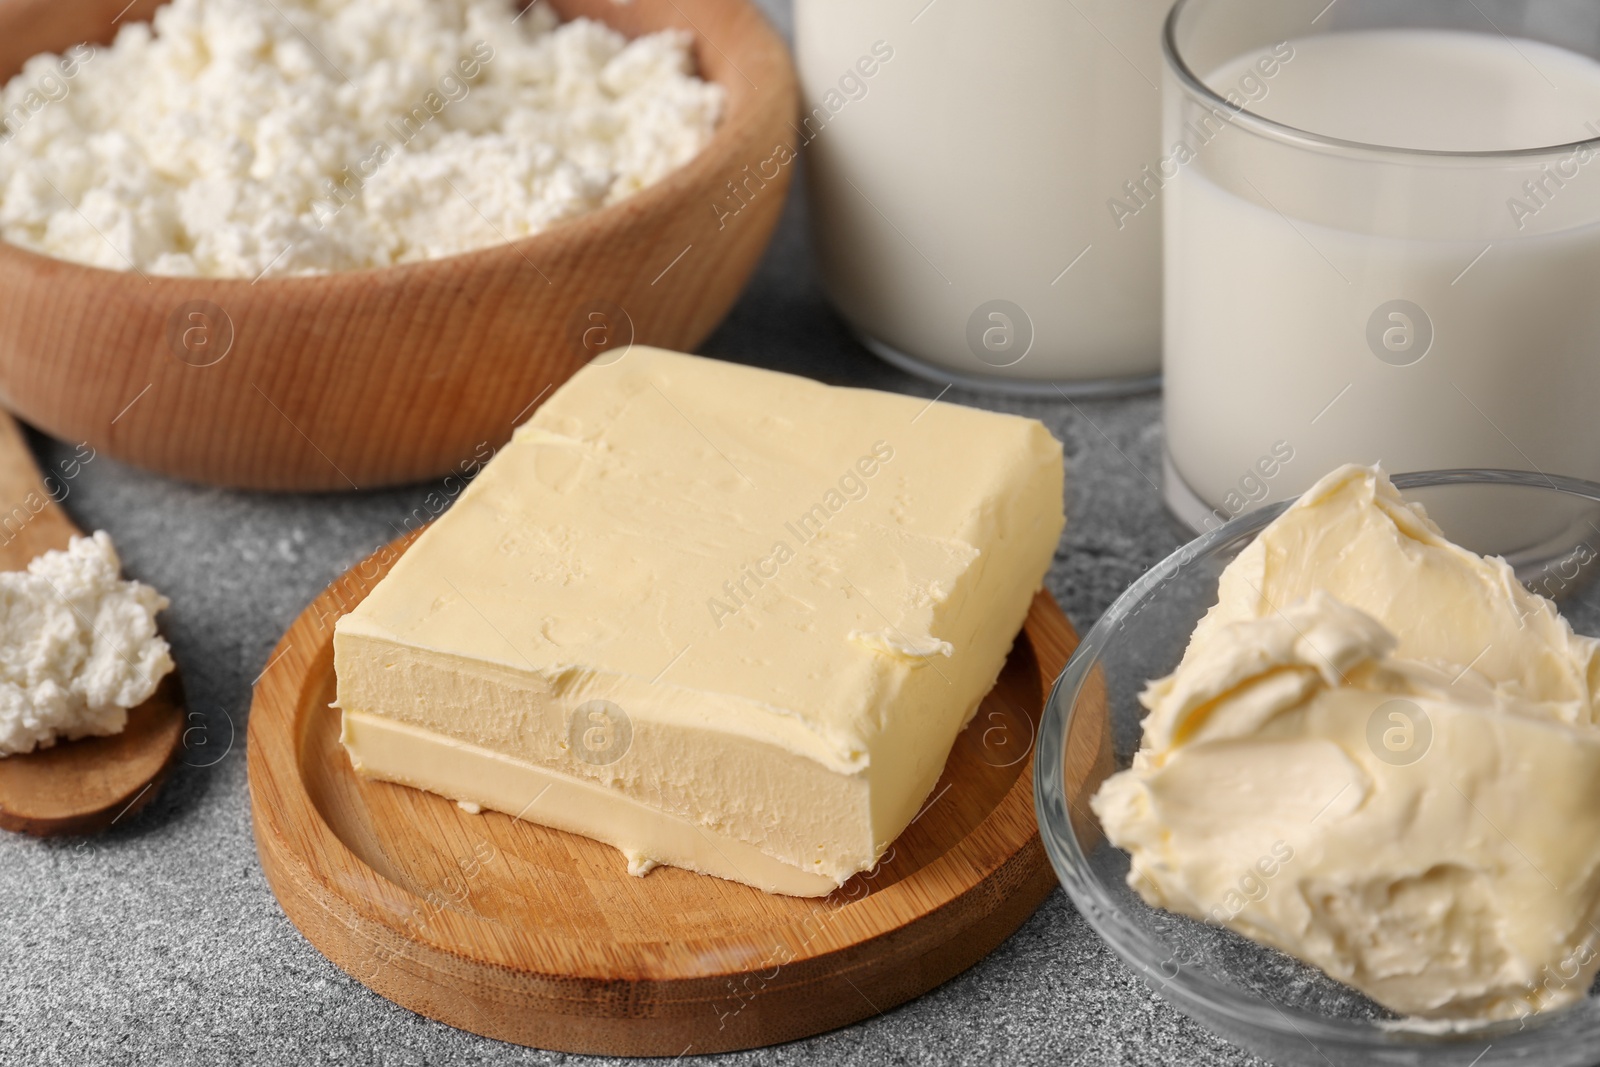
[
  {"x": 1379, "y": 753},
  {"x": 720, "y": 618}
]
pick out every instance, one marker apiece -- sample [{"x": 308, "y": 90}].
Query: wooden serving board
[{"x": 539, "y": 937}]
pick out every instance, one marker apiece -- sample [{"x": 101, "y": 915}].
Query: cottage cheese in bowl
[{"x": 235, "y": 138}]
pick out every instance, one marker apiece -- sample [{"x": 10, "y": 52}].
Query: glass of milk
[
  {"x": 983, "y": 196},
  {"x": 1382, "y": 244}
]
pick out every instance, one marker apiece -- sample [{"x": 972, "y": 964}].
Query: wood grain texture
[
  {"x": 83, "y": 786},
  {"x": 31, "y": 522},
  {"x": 539, "y": 937},
  {"x": 88, "y": 785},
  {"x": 367, "y": 378}
]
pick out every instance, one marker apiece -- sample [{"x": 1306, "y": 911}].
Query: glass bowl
[{"x": 1257, "y": 997}]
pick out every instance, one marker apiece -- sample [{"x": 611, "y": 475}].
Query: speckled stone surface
[{"x": 160, "y": 942}]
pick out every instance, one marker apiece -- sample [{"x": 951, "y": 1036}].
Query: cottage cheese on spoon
[{"x": 78, "y": 647}]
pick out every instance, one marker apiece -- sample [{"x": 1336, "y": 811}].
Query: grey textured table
[{"x": 160, "y": 942}]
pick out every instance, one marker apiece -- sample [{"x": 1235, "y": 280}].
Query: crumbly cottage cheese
[
  {"x": 237, "y": 137},
  {"x": 78, "y": 646}
]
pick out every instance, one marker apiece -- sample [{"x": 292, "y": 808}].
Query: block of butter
[{"x": 720, "y": 618}]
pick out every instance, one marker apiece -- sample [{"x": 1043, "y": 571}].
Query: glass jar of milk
[
  {"x": 1382, "y": 244},
  {"x": 985, "y": 190}
]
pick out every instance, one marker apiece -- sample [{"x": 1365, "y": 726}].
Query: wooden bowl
[{"x": 374, "y": 377}]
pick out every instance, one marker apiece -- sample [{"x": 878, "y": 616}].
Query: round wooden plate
[{"x": 531, "y": 935}]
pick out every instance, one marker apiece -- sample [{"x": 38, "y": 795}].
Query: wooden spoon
[{"x": 83, "y": 786}]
